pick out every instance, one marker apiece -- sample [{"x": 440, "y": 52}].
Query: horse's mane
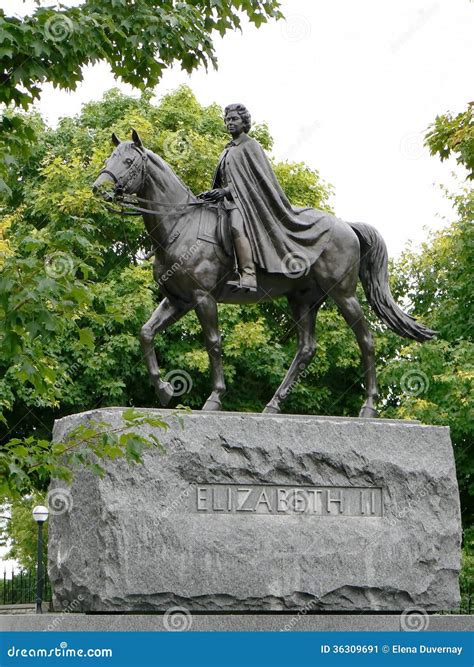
[{"x": 163, "y": 166}]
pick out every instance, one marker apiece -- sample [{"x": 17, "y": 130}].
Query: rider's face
[{"x": 234, "y": 123}]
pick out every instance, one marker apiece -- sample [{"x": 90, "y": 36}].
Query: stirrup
[{"x": 239, "y": 284}]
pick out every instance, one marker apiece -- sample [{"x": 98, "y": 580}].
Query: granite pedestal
[{"x": 250, "y": 512}]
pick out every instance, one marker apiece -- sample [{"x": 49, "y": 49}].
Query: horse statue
[{"x": 194, "y": 259}]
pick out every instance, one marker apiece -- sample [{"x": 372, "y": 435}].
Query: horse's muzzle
[{"x": 102, "y": 179}]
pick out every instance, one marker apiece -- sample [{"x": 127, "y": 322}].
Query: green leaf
[{"x": 86, "y": 338}]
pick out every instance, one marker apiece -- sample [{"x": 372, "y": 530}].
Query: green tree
[
  {"x": 138, "y": 43},
  {"x": 454, "y": 134},
  {"x": 21, "y": 532}
]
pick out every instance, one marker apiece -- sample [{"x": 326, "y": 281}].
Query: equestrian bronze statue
[{"x": 304, "y": 255}]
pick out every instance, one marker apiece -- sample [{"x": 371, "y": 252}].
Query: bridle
[
  {"x": 132, "y": 208},
  {"x": 134, "y": 169}
]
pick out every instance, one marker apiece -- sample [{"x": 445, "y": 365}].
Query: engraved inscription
[{"x": 272, "y": 499}]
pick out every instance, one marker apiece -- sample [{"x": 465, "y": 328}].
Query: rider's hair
[{"x": 243, "y": 113}]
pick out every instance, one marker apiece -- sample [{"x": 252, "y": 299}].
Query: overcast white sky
[{"x": 347, "y": 87}]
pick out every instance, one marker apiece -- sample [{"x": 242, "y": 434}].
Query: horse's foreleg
[
  {"x": 206, "y": 311},
  {"x": 304, "y": 315},
  {"x": 352, "y": 312},
  {"x": 167, "y": 313}
]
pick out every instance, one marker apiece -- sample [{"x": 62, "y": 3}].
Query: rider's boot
[{"x": 248, "y": 278}]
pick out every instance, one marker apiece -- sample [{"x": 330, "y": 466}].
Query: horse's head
[{"x": 125, "y": 169}]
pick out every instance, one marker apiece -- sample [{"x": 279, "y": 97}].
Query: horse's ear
[
  {"x": 136, "y": 139},
  {"x": 115, "y": 140}
]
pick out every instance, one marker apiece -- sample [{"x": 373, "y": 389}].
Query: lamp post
[{"x": 40, "y": 515}]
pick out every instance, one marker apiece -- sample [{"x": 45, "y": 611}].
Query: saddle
[{"x": 214, "y": 228}]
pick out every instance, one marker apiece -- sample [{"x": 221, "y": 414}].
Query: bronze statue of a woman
[{"x": 266, "y": 230}]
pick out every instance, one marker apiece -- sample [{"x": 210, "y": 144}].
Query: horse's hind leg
[
  {"x": 167, "y": 313},
  {"x": 304, "y": 315},
  {"x": 337, "y": 273},
  {"x": 352, "y": 312}
]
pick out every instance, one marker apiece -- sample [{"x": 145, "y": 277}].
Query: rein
[
  {"x": 122, "y": 204},
  {"x": 133, "y": 209}
]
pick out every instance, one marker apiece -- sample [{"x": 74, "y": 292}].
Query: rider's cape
[{"x": 283, "y": 239}]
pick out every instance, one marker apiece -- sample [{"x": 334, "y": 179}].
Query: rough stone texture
[
  {"x": 133, "y": 541},
  {"x": 208, "y": 622}
]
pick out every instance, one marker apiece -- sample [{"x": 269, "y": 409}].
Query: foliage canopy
[{"x": 54, "y": 46}]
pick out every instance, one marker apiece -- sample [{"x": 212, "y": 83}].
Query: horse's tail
[{"x": 373, "y": 274}]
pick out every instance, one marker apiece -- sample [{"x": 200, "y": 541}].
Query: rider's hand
[{"x": 214, "y": 195}]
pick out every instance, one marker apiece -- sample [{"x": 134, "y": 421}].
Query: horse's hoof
[
  {"x": 368, "y": 413},
  {"x": 271, "y": 410},
  {"x": 165, "y": 393},
  {"x": 212, "y": 405}
]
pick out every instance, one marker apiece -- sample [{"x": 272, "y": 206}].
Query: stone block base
[{"x": 247, "y": 512}]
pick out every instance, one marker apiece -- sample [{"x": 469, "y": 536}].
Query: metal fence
[
  {"x": 20, "y": 588},
  {"x": 467, "y": 601}
]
